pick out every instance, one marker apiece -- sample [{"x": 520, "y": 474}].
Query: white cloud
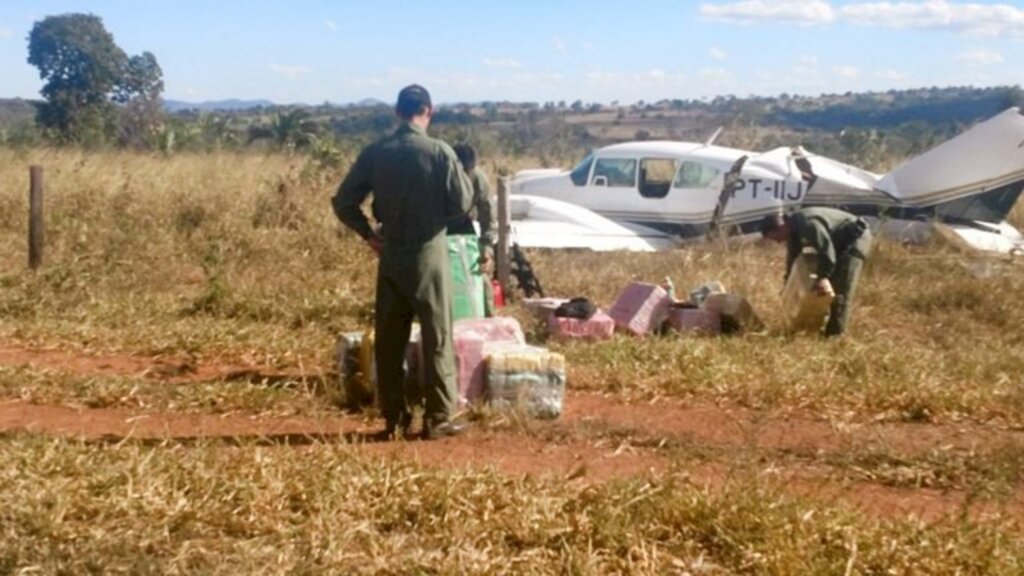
[
  {"x": 891, "y": 75},
  {"x": 846, "y": 72},
  {"x": 1003, "y": 20},
  {"x": 715, "y": 74},
  {"x": 331, "y": 25},
  {"x": 808, "y": 60},
  {"x": 803, "y": 12},
  {"x": 5, "y": 33},
  {"x": 717, "y": 53},
  {"x": 559, "y": 44},
  {"x": 291, "y": 72},
  {"x": 982, "y": 19},
  {"x": 979, "y": 57},
  {"x": 506, "y": 63}
]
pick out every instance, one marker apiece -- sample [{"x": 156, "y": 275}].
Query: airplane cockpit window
[
  {"x": 695, "y": 175},
  {"x": 656, "y": 176},
  {"x": 614, "y": 173},
  {"x": 581, "y": 171}
]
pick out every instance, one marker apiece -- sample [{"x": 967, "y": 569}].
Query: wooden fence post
[
  {"x": 504, "y": 230},
  {"x": 35, "y": 217}
]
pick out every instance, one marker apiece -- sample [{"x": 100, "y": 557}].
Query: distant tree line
[{"x": 96, "y": 95}]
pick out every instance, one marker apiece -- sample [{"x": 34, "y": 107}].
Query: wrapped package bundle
[
  {"x": 641, "y": 308},
  {"x": 467, "y": 278},
  {"x": 600, "y": 326},
  {"x": 542, "y": 308},
  {"x": 805, "y": 310},
  {"x": 348, "y": 355},
  {"x": 689, "y": 320},
  {"x": 526, "y": 377},
  {"x": 367, "y": 367},
  {"x": 471, "y": 339},
  {"x": 737, "y": 315}
]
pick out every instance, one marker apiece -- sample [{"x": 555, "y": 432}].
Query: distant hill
[
  {"x": 214, "y": 105},
  {"x": 15, "y": 111},
  {"x": 886, "y": 109}
]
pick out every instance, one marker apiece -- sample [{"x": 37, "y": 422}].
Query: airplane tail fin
[{"x": 977, "y": 175}]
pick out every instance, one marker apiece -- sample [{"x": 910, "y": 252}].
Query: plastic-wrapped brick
[
  {"x": 600, "y": 326},
  {"x": 470, "y": 340},
  {"x": 805, "y": 310},
  {"x": 694, "y": 321},
  {"x": 349, "y": 352},
  {"x": 641, "y": 308},
  {"x": 526, "y": 377}
]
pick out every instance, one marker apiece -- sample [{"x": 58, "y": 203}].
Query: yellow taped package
[
  {"x": 349, "y": 352},
  {"x": 526, "y": 377},
  {"x": 805, "y": 310},
  {"x": 368, "y": 366}
]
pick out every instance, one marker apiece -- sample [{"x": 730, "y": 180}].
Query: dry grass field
[{"x": 168, "y": 404}]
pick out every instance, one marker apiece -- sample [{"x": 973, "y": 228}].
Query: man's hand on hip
[
  {"x": 375, "y": 244},
  {"x": 487, "y": 261}
]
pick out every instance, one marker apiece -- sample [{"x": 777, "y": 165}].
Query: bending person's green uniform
[
  {"x": 841, "y": 242},
  {"x": 417, "y": 186}
]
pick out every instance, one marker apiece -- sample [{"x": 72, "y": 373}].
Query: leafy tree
[
  {"x": 138, "y": 91},
  {"x": 1014, "y": 97},
  {"x": 80, "y": 66}
]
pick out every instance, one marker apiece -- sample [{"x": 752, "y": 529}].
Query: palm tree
[{"x": 290, "y": 129}]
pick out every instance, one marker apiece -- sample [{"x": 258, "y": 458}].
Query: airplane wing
[{"x": 976, "y": 176}]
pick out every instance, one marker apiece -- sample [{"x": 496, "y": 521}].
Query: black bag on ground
[{"x": 579, "y": 308}]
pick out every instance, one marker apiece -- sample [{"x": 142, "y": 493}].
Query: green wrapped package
[{"x": 467, "y": 279}]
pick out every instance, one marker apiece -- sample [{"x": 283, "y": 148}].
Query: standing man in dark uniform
[
  {"x": 417, "y": 186},
  {"x": 483, "y": 211},
  {"x": 842, "y": 243}
]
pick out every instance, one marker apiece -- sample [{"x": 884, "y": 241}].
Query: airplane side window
[
  {"x": 581, "y": 171},
  {"x": 615, "y": 172},
  {"x": 695, "y": 175},
  {"x": 656, "y": 176}
]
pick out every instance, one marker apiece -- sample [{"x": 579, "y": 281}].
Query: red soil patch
[
  {"x": 597, "y": 439},
  {"x": 177, "y": 370}
]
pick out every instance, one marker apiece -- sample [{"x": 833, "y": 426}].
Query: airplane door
[
  {"x": 694, "y": 194},
  {"x": 611, "y": 191}
]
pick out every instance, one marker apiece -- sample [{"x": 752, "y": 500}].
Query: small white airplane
[{"x": 963, "y": 188}]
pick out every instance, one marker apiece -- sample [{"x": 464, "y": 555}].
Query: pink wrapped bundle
[
  {"x": 496, "y": 329},
  {"x": 600, "y": 326},
  {"x": 641, "y": 308},
  {"x": 471, "y": 338},
  {"x": 695, "y": 320},
  {"x": 469, "y": 365}
]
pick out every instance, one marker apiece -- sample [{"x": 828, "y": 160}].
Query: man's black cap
[
  {"x": 466, "y": 154},
  {"x": 412, "y": 100}
]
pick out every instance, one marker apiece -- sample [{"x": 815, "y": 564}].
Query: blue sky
[{"x": 530, "y": 50}]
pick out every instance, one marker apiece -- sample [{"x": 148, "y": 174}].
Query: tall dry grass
[
  {"x": 238, "y": 258},
  {"x": 69, "y": 507}
]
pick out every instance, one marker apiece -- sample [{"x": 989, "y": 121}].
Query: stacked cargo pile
[
  {"x": 643, "y": 309},
  {"x": 493, "y": 362}
]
